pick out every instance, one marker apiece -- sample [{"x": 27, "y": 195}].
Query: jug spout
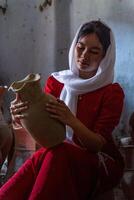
[
  {"x": 28, "y": 89},
  {"x": 16, "y": 86}
]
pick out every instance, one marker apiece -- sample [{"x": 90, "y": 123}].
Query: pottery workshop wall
[{"x": 32, "y": 40}]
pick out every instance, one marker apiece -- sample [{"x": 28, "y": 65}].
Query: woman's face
[{"x": 88, "y": 55}]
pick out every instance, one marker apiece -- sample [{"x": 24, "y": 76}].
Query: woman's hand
[
  {"x": 88, "y": 138},
  {"x": 59, "y": 110},
  {"x": 17, "y": 108}
]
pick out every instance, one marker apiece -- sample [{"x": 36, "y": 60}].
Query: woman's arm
[
  {"x": 61, "y": 112},
  {"x": 108, "y": 118}
]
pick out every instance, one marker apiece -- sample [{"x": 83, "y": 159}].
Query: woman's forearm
[
  {"x": 89, "y": 139},
  {"x": 60, "y": 111}
]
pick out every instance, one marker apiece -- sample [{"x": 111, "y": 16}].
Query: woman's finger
[
  {"x": 17, "y": 97},
  {"x": 18, "y": 110},
  {"x": 20, "y": 116},
  {"x": 20, "y": 107},
  {"x": 60, "y": 101}
]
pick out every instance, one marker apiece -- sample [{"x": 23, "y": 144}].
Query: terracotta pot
[
  {"x": 46, "y": 131},
  {"x": 2, "y": 92},
  {"x": 5, "y": 131},
  {"x": 24, "y": 147}
]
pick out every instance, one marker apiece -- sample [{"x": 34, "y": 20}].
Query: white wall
[{"x": 34, "y": 41}]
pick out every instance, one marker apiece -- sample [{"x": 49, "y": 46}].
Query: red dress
[{"x": 69, "y": 171}]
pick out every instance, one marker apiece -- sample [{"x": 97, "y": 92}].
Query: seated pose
[{"x": 88, "y": 162}]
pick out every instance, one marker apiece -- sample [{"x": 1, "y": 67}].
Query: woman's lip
[{"x": 83, "y": 63}]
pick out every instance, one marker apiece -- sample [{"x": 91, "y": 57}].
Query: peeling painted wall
[{"x": 34, "y": 41}]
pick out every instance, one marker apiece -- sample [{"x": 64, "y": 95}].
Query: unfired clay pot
[{"x": 45, "y": 130}]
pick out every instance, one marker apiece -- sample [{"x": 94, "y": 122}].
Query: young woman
[{"x": 89, "y": 104}]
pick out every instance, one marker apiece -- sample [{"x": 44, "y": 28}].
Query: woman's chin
[{"x": 82, "y": 67}]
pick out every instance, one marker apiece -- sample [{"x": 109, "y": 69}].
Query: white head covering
[{"x": 74, "y": 85}]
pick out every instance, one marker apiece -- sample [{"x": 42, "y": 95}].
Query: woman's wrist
[
  {"x": 74, "y": 123},
  {"x": 16, "y": 125}
]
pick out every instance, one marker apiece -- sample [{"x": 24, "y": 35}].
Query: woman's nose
[{"x": 85, "y": 54}]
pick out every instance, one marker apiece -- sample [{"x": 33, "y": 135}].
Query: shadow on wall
[{"x": 62, "y": 34}]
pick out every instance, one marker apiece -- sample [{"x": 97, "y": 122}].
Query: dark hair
[{"x": 102, "y": 31}]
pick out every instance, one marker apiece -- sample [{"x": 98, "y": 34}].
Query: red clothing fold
[{"x": 54, "y": 174}]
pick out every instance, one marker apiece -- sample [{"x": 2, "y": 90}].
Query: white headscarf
[{"x": 74, "y": 85}]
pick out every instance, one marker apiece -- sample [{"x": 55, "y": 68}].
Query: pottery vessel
[
  {"x": 3, "y": 89},
  {"x": 45, "y": 130},
  {"x": 6, "y": 137}
]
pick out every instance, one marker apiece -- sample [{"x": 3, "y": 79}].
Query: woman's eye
[{"x": 94, "y": 52}]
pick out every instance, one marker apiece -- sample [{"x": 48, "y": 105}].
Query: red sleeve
[
  {"x": 19, "y": 186},
  {"x": 53, "y": 87},
  {"x": 110, "y": 112}
]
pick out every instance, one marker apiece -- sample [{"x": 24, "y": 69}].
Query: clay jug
[{"x": 45, "y": 130}]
